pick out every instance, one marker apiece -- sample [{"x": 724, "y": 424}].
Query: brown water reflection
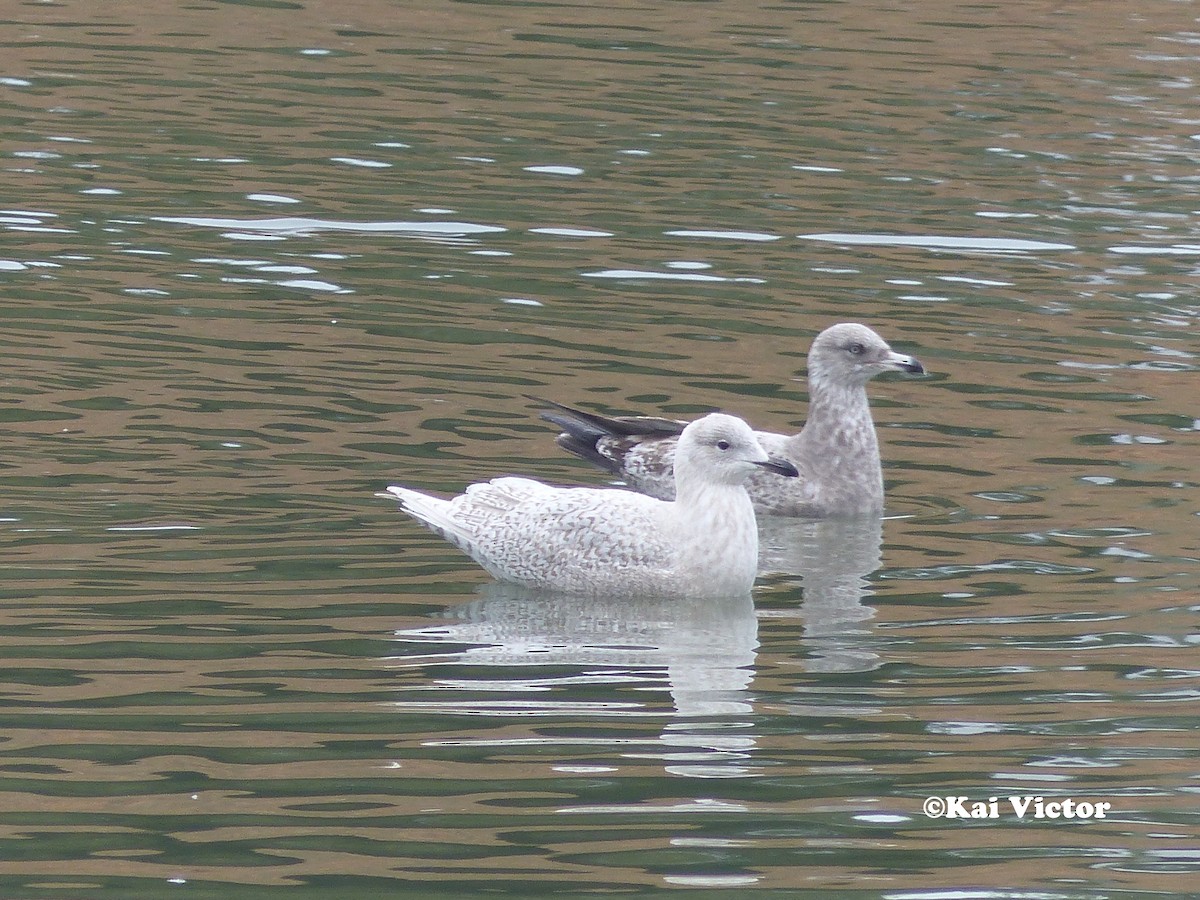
[{"x": 266, "y": 257}]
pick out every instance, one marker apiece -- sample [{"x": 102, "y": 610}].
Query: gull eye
[
  {"x": 856, "y": 348},
  {"x": 722, "y": 445}
]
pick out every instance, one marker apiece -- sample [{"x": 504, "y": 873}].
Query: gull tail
[{"x": 434, "y": 513}]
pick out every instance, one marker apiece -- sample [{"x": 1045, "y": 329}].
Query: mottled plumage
[
  {"x": 836, "y": 453},
  {"x": 616, "y": 542}
]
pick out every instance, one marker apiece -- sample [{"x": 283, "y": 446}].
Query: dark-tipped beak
[
  {"x": 911, "y": 365},
  {"x": 780, "y": 467}
]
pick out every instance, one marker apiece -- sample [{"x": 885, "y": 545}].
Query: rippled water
[{"x": 262, "y": 258}]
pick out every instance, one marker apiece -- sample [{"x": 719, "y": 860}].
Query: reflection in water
[
  {"x": 702, "y": 650},
  {"x": 833, "y": 558}
]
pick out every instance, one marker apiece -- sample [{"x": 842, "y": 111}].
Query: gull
[
  {"x": 613, "y": 542},
  {"x": 836, "y": 452}
]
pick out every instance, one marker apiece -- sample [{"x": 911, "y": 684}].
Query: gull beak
[
  {"x": 779, "y": 466},
  {"x": 902, "y": 363}
]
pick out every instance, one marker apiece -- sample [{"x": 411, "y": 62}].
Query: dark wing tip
[
  {"x": 587, "y": 450},
  {"x": 610, "y": 426}
]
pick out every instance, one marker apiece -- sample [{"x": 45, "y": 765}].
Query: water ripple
[
  {"x": 935, "y": 242},
  {"x": 294, "y": 226}
]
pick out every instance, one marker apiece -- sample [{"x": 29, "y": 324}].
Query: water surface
[{"x": 264, "y": 258}]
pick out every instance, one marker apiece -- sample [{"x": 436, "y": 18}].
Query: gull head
[
  {"x": 723, "y": 449},
  {"x": 849, "y": 353}
]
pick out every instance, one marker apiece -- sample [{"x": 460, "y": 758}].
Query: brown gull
[
  {"x": 836, "y": 452},
  {"x": 607, "y": 541}
]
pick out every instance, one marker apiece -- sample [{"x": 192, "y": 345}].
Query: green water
[{"x": 264, "y": 258}]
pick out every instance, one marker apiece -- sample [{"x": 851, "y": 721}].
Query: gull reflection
[
  {"x": 833, "y": 558},
  {"x": 701, "y": 651}
]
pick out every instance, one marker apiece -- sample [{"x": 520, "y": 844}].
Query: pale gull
[
  {"x": 607, "y": 541},
  {"x": 836, "y": 452}
]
